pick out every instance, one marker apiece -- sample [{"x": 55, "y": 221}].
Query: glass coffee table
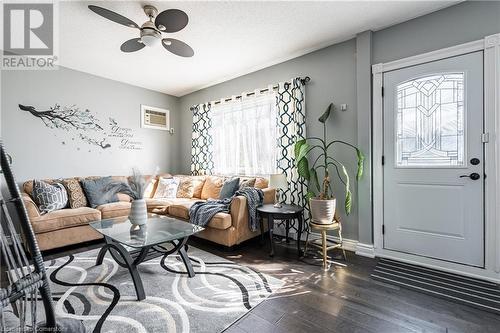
[{"x": 130, "y": 245}]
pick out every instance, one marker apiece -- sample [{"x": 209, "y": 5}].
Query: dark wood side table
[{"x": 286, "y": 213}]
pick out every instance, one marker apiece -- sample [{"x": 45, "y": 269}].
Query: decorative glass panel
[{"x": 430, "y": 121}]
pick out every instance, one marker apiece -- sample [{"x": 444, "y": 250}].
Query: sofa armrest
[
  {"x": 269, "y": 195},
  {"x": 31, "y": 207},
  {"x": 239, "y": 210}
]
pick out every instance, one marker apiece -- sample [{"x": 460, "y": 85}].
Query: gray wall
[
  {"x": 38, "y": 151},
  {"x": 465, "y": 22},
  {"x": 334, "y": 73},
  {"x": 333, "y": 79}
]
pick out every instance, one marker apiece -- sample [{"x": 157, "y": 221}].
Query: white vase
[
  {"x": 138, "y": 212},
  {"x": 322, "y": 211}
]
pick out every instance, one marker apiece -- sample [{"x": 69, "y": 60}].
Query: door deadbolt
[{"x": 475, "y": 161}]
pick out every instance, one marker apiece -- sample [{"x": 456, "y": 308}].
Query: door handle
[{"x": 473, "y": 176}]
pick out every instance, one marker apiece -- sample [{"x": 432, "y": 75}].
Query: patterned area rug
[{"x": 104, "y": 296}]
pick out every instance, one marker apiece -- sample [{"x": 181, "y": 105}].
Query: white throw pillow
[{"x": 167, "y": 188}]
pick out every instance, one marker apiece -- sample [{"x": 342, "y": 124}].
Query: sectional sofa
[{"x": 71, "y": 225}]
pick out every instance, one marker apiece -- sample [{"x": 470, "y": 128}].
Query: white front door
[{"x": 434, "y": 160}]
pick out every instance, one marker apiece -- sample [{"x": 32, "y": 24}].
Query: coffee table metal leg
[
  {"x": 127, "y": 259},
  {"x": 185, "y": 258}
]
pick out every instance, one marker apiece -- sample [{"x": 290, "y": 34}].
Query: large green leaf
[
  {"x": 361, "y": 159},
  {"x": 314, "y": 178},
  {"x": 297, "y": 146},
  {"x": 324, "y": 117},
  {"x": 348, "y": 202},
  {"x": 348, "y": 195},
  {"x": 303, "y": 169},
  {"x": 309, "y": 195},
  {"x": 302, "y": 152}
]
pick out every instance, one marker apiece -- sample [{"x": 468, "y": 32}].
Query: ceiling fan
[{"x": 168, "y": 21}]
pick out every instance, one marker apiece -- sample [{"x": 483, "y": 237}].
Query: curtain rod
[{"x": 304, "y": 81}]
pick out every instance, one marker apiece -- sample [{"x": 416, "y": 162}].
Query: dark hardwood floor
[{"x": 345, "y": 299}]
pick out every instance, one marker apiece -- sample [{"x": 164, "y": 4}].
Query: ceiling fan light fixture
[
  {"x": 150, "y": 36},
  {"x": 167, "y": 42},
  {"x": 149, "y": 40}
]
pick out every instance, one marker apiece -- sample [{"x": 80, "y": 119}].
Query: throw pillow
[
  {"x": 186, "y": 188},
  {"x": 261, "y": 183},
  {"x": 76, "y": 195},
  {"x": 229, "y": 188},
  {"x": 97, "y": 192},
  {"x": 250, "y": 182},
  {"x": 150, "y": 187},
  {"x": 198, "y": 182},
  {"x": 211, "y": 188},
  {"x": 49, "y": 197},
  {"x": 167, "y": 188}
]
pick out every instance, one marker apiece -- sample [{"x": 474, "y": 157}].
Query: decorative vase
[
  {"x": 138, "y": 212},
  {"x": 322, "y": 211}
]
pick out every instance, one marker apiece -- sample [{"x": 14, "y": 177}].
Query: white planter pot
[
  {"x": 138, "y": 212},
  {"x": 322, "y": 211}
]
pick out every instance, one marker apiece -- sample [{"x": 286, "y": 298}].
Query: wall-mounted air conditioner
[{"x": 157, "y": 118}]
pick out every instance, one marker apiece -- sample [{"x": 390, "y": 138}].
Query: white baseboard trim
[{"x": 365, "y": 250}]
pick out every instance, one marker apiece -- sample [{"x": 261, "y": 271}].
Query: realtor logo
[{"x": 28, "y": 36}]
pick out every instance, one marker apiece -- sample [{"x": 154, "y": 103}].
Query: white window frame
[{"x": 490, "y": 45}]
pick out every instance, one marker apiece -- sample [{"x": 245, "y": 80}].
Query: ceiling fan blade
[
  {"x": 171, "y": 20},
  {"x": 177, "y": 47},
  {"x": 132, "y": 45},
  {"x": 115, "y": 17}
]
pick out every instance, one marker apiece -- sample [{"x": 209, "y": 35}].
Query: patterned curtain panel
[
  {"x": 202, "y": 142},
  {"x": 292, "y": 127}
]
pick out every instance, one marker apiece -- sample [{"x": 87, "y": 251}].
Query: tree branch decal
[{"x": 65, "y": 118}]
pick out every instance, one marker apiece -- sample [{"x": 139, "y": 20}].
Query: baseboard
[{"x": 365, "y": 250}]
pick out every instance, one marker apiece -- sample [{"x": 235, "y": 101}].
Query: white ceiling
[{"x": 229, "y": 38}]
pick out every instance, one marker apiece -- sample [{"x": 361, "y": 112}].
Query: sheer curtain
[{"x": 245, "y": 135}]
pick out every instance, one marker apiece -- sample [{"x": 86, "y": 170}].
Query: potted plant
[{"x": 322, "y": 201}]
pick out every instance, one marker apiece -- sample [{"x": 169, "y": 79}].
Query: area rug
[{"x": 103, "y": 297}]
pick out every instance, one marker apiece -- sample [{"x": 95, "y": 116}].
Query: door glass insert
[{"x": 430, "y": 121}]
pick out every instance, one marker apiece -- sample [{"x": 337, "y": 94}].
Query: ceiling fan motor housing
[{"x": 149, "y": 35}]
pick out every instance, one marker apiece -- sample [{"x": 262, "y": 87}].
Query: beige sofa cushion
[
  {"x": 198, "y": 182},
  {"x": 65, "y": 218},
  {"x": 211, "y": 188},
  {"x": 220, "y": 221},
  {"x": 180, "y": 207},
  {"x": 151, "y": 183},
  {"x": 114, "y": 209}
]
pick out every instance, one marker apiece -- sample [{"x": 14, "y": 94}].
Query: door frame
[{"x": 490, "y": 46}]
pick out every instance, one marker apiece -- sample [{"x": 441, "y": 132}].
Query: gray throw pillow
[
  {"x": 98, "y": 191},
  {"x": 229, "y": 188},
  {"x": 49, "y": 197}
]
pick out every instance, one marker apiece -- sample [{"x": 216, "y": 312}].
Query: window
[
  {"x": 244, "y": 135},
  {"x": 430, "y": 121}
]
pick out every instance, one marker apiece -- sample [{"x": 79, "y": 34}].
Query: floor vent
[{"x": 480, "y": 294}]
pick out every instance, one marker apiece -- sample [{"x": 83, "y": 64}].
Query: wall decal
[
  {"x": 66, "y": 118},
  {"x": 86, "y": 127}
]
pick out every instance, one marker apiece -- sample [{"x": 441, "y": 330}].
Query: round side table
[{"x": 286, "y": 213}]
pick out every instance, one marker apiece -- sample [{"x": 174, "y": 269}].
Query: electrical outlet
[{"x": 343, "y": 107}]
